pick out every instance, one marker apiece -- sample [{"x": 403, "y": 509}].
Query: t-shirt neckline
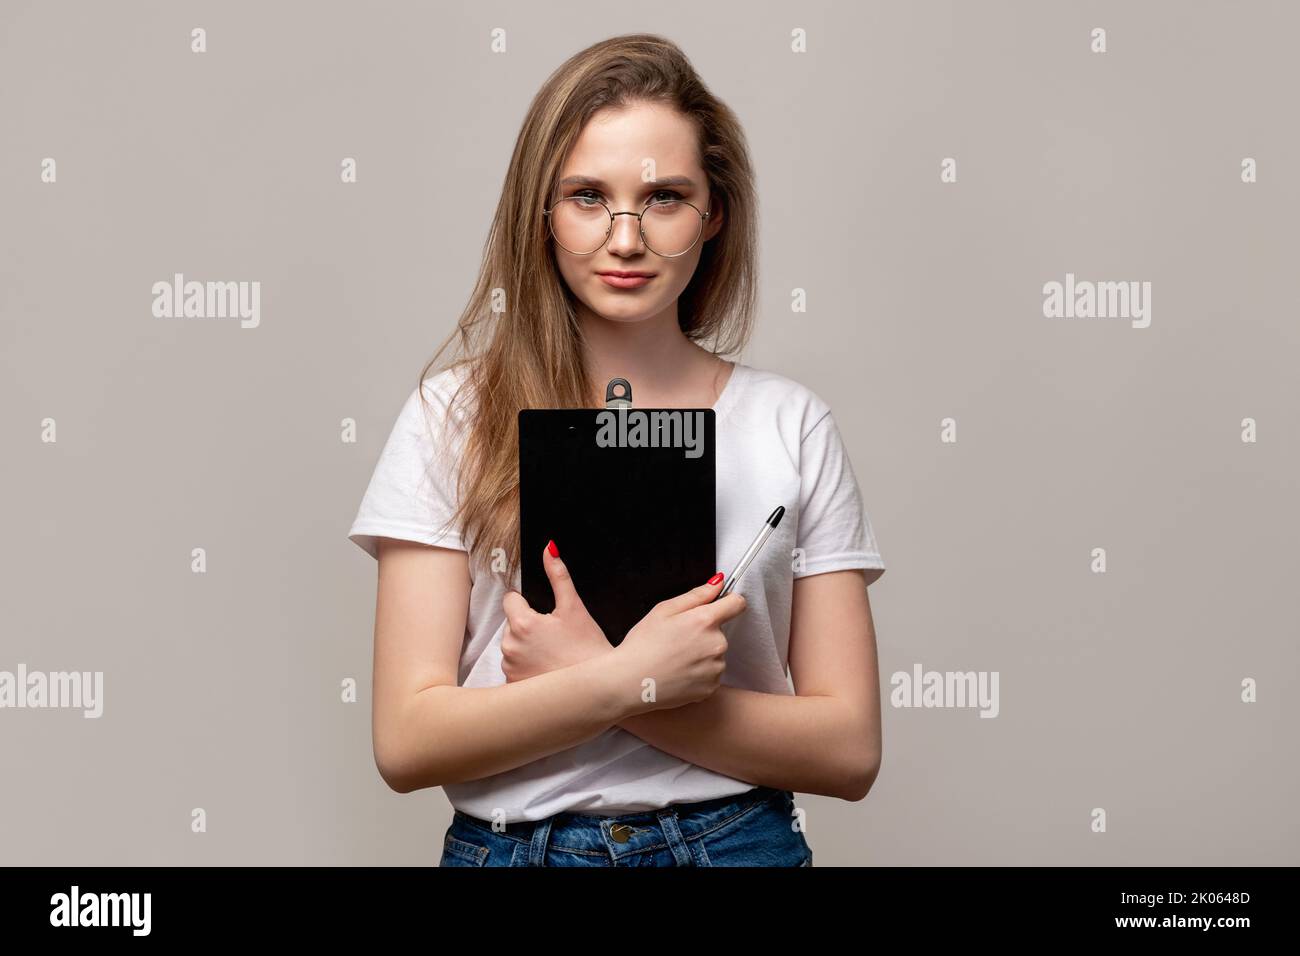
[{"x": 728, "y": 396}]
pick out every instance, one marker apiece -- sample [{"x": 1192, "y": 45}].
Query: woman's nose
[{"x": 625, "y": 238}]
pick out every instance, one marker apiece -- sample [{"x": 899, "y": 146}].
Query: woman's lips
[{"x": 624, "y": 282}]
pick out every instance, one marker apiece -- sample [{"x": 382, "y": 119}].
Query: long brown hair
[{"x": 519, "y": 334}]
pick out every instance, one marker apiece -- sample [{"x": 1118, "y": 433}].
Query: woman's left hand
[{"x": 534, "y": 643}]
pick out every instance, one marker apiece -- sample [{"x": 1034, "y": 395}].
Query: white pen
[{"x": 764, "y": 533}]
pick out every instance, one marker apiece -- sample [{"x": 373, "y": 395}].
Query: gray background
[{"x": 1119, "y": 691}]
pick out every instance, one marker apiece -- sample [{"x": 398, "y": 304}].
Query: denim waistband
[{"x": 689, "y": 819}]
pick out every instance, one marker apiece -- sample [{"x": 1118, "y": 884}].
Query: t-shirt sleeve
[
  {"x": 412, "y": 492},
  {"x": 834, "y": 531}
]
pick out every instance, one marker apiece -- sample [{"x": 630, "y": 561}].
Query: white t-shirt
[{"x": 777, "y": 445}]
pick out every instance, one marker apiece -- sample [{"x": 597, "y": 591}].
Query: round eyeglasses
[{"x": 582, "y": 225}]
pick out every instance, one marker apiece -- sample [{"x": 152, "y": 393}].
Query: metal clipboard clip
[{"x": 618, "y": 401}]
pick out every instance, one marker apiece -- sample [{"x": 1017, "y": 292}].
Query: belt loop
[
  {"x": 537, "y": 848},
  {"x": 668, "y": 822}
]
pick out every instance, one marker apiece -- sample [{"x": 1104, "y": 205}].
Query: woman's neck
[{"x": 666, "y": 368}]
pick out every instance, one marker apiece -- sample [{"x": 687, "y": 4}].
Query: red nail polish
[
  {"x": 550, "y": 546},
  {"x": 716, "y": 578}
]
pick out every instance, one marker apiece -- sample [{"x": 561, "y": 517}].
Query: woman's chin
[{"x": 621, "y": 312}]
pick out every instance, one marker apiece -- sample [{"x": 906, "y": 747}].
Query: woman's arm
[
  {"x": 427, "y": 730},
  {"x": 826, "y": 739}
]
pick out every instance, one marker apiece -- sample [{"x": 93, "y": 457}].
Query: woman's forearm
[
  {"x": 448, "y": 734},
  {"x": 805, "y": 744}
]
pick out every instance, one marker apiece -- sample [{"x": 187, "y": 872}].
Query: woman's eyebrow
[{"x": 649, "y": 184}]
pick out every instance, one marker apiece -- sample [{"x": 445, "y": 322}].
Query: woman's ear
[{"x": 714, "y": 224}]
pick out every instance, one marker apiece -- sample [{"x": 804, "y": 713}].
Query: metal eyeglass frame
[{"x": 640, "y": 225}]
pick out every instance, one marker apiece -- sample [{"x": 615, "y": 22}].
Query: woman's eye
[{"x": 592, "y": 196}]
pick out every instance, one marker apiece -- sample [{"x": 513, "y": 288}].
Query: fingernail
[
  {"x": 716, "y": 578},
  {"x": 550, "y": 546}
]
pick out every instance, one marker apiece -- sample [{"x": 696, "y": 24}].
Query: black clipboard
[{"x": 634, "y": 523}]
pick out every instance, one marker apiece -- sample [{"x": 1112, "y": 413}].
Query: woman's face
[{"x": 628, "y": 158}]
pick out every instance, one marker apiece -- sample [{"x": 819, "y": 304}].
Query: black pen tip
[{"x": 775, "y": 517}]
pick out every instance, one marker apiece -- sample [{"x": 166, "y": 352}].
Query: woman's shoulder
[
  {"x": 791, "y": 400},
  {"x": 440, "y": 403},
  {"x": 441, "y": 386}
]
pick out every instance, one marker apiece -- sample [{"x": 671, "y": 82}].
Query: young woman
[{"x": 625, "y": 235}]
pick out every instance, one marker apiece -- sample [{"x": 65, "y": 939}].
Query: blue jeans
[{"x": 753, "y": 829}]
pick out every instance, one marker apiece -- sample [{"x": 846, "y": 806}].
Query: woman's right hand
[{"x": 676, "y": 654}]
